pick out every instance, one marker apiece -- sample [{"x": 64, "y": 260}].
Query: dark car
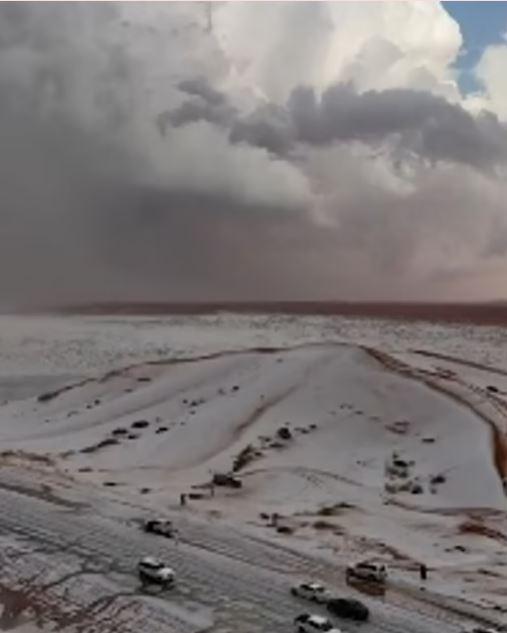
[
  {"x": 159, "y": 526},
  {"x": 348, "y": 608},
  {"x": 229, "y": 481}
]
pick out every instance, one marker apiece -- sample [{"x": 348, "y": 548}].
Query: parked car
[
  {"x": 366, "y": 571},
  {"x": 348, "y": 608},
  {"x": 152, "y": 570},
  {"x": 311, "y": 591},
  {"x": 306, "y": 623},
  {"x": 160, "y": 526},
  {"x": 227, "y": 480}
]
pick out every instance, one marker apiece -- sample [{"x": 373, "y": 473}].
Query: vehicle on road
[
  {"x": 159, "y": 526},
  {"x": 366, "y": 571},
  {"x": 312, "y": 591},
  {"x": 306, "y": 623},
  {"x": 348, "y": 608},
  {"x": 152, "y": 570}
]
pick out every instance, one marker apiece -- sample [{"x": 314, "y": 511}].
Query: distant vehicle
[
  {"x": 366, "y": 571},
  {"x": 306, "y": 623},
  {"x": 348, "y": 608},
  {"x": 160, "y": 526},
  {"x": 227, "y": 480},
  {"x": 312, "y": 591},
  {"x": 152, "y": 570}
]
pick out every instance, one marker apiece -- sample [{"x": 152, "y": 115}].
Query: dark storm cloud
[
  {"x": 411, "y": 121},
  {"x": 76, "y": 220},
  {"x": 57, "y": 182},
  {"x": 198, "y": 110},
  {"x": 200, "y": 87},
  {"x": 425, "y": 124},
  {"x": 61, "y": 160},
  {"x": 75, "y": 225},
  {"x": 268, "y": 127},
  {"x": 207, "y": 104}
]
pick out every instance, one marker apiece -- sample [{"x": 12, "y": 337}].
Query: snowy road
[{"x": 77, "y": 569}]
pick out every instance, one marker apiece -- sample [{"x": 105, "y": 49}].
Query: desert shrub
[
  {"x": 140, "y": 424},
  {"x": 243, "y": 458}
]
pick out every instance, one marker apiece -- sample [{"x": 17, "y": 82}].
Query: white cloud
[
  {"x": 199, "y": 158},
  {"x": 276, "y": 46},
  {"x": 491, "y": 72}
]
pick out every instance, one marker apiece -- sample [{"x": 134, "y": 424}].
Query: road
[{"x": 73, "y": 567}]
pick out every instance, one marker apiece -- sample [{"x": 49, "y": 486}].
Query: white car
[
  {"x": 367, "y": 571},
  {"x": 155, "y": 571},
  {"x": 306, "y": 623},
  {"x": 312, "y": 591}
]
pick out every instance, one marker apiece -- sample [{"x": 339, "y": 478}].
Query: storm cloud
[
  {"x": 207, "y": 104},
  {"x": 421, "y": 123},
  {"x": 411, "y": 121},
  {"x": 160, "y": 152}
]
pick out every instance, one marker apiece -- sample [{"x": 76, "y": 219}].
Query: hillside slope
[{"x": 155, "y": 430}]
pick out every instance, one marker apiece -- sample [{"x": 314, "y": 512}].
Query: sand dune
[
  {"x": 346, "y": 411},
  {"x": 155, "y": 429}
]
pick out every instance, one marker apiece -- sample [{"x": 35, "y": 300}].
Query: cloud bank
[{"x": 247, "y": 151}]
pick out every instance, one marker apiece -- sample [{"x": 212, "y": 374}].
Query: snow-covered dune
[
  {"x": 360, "y": 443},
  {"x": 175, "y": 422}
]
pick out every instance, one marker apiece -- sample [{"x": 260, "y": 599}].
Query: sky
[
  {"x": 244, "y": 151},
  {"x": 482, "y": 24}
]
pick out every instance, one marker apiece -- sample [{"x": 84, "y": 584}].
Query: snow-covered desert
[{"x": 352, "y": 438}]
